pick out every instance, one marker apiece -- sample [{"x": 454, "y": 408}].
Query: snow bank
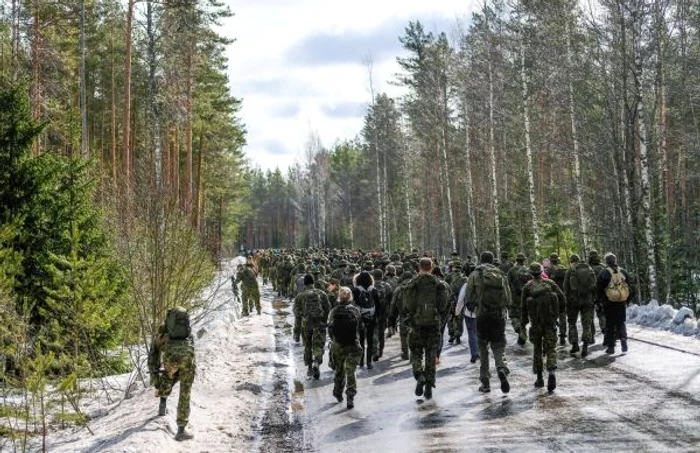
[{"x": 664, "y": 317}]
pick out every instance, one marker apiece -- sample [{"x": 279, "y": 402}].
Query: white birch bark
[
  {"x": 577, "y": 159},
  {"x": 492, "y": 155},
  {"x": 528, "y": 151},
  {"x": 468, "y": 180}
]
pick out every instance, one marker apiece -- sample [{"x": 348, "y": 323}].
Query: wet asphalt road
[{"x": 647, "y": 400}]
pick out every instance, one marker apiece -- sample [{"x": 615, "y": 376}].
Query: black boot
[
  {"x": 474, "y": 359},
  {"x": 420, "y": 383},
  {"x": 404, "y": 356},
  {"x": 485, "y": 387},
  {"x": 584, "y": 350},
  {"x": 338, "y": 395},
  {"x": 428, "y": 393},
  {"x": 574, "y": 349},
  {"x": 505, "y": 385},
  {"x": 451, "y": 340},
  {"x": 458, "y": 340},
  {"x": 562, "y": 341},
  {"x": 551, "y": 382},
  {"x": 161, "y": 407},
  {"x": 539, "y": 383},
  {"x": 309, "y": 371},
  {"x": 351, "y": 401},
  {"x": 623, "y": 343},
  {"x": 182, "y": 434},
  {"x": 316, "y": 371}
]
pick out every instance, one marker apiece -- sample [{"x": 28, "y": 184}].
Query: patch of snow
[{"x": 664, "y": 317}]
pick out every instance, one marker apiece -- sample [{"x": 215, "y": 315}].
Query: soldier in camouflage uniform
[
  {"x": 579, "y": 288},
  {"x": 557, "y": 272},
  {"x": 385, "y": 293},
  {"x": 311, "y": 308},
  {"x": 177, "y": 358},
  {"x": 250, "y": 292},
  {"x": 598, "y": 267},
  {"x": 346, "y": 354},
  {"x": 505, "y": 265},
  {"x": 397, "y": 313},
  {"x": 426, "y": 302},
  {"x": 518, "y": 276},
  {"x": 541, "y": 304}
]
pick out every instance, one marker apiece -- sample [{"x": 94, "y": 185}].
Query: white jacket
[{"x": 461, "y": 300}]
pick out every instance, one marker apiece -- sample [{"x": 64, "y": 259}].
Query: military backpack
[
  {"x": 582, "y": 280},
  {"x": 313, "y": 308},
  {"x": 491, "y": 291},
  {"x": 177, "y": 324},
  {"x": 421, "y": 296},
  {"x": 542, "y": 305},
  {"x": 344, "y": 325},
  {"x": 522, "y": 277}
]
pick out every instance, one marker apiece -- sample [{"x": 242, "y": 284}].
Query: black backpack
[
  {"x": 363, "y": 298},
  {"x": 344, "y": 325},
  {"x": 177, "y": 324},
  {"x": 313, "y": 308}
]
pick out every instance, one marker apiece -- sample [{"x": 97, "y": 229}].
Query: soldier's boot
[
  {"x": 503, "y": 377},
  {"x": 338, "y": 395},
  {"x": 162, "y": 406},
  {"x": 610, "y": 350},
  {"x": 458, "y": 340},
  {"x": 362, "y": 359},
  {"x": 420, "y": 384},
  {"x": 428, "y": 393},
  {"x": 404, "y": 355},
  {"x": 584, "y": 350},
  {"x": 474, "y": 358},
  {"x": 551, "y": 382},
  {"x": 539, "y": 382},
  {"x": 485, "y": 387},
  {"x": 623, "y": 344},
  {"x": 574, "y": 349},
  {"x": 182, "y": 434},
  {"x": 309, "y": 371},
  {"x": 562, "y": 340},
  {"x": 451, "y": 340},
  {"x": 351, "y": 401},
  {"x": 521, "y": 340},
  {"x": 316, "y": 371}
]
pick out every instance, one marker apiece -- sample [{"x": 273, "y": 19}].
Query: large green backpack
[
  {"x": 542, "y": 305},
  {"x": 177, "y": 324},
  {"x": 557, "y": 272},
  {"x": 457, "y": 282},
  {"x": 582, "y": 280},
  {"x": 313, "y": 307},
  {"x": 421, "y": 297},
  {"x": 492, "y": 296}
]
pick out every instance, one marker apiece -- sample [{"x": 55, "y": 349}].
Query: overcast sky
[{"x": 298, "y": 65}]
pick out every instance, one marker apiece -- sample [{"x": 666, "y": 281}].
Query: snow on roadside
[
  {"x": 664, "y": 317},
  {"x": 226, "y": 394}
]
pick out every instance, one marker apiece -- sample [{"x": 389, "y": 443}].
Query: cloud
[
  {"x": 285, "y": 110},
  {"x": 277, "y": 87},
  {"x": 344, "y": 109},
  {"x": 275, "y": 148},
  {"x": 352, "y": 46}
]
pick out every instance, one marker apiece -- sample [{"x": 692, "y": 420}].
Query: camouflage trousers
[
  {"x": 586, "y": 312},
  {"x": 404, "y": 330},
  {"x": 514, "y": 315},
  {"x": 379, "y": 336},
  {"x": 544, "y": 340},
  {"x": 314, "y": 342},
  {"x": 562, "y": 324},
  {"x": 423, "y": 343},
  {"x": 346, "y": 359},
  {"x": 179, "y": 364},
  {"x": 491, "y": 331},
  {"x": 250, "y": 296}
]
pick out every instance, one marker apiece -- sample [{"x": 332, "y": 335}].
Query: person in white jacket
[{"x": 469, "y": 320}]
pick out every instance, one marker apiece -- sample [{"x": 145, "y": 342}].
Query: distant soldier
[
  {"x": 397, "y": 313},
  {"x": 456, "y": 283},
  {"x": 344, "y": 324},
  {"x": 250, "y": 291},
  {"x": 385, "y": 292},
  {"x": 541, "y": 304},
  {"x": 366, "y": 298},
  {"x": 426, "y": 302},
  {"x": 488, "y": 295},
  {"x": 518, "y": 276},
  {"x": 173, "y": 347},
  {"x": 311, "y": 308},
  {"x": 594, "y": 262},
  {"x": 505, "y": 265},
  {"x": 615, "y": 290},
  {"x": 580, "y": 288},
  {"x": 557, "y": 273}
]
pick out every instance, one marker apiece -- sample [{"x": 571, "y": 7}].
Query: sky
[{"x": 300, "y": 66}]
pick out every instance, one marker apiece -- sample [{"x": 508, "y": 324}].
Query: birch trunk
[
  {"x": 113, "y": 99},
  {"x": 445, "y": 168},
  {"x": 644, "y": 157},
  {"x": 574, "y": 135},
  {"x": 83, "y": 87},
  {"x": 126, "y": 126},
  {"x": 188, "y": 137},
  {"x": 492, "y": 155},
  {"x": 36, "y": 68},
  {"x": 468, "y": 180},
  {"x": 528, "y": 152}
]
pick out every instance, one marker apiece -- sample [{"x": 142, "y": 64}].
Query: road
[{"x": 644, "y": 401}]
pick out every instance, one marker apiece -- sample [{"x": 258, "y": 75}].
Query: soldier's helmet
[
  {"x": 554, "y": 257},
  {"x": 520, "y": 258},
  {"x": 593, "y": 254},
  {"x": 390, "y": 269},
  {"x": 456, "y": 264},
  {"x": 574, "y": 258},
  {"x": 536, "y": 268}
]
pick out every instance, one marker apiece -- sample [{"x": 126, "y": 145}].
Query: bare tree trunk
[
  {"x": 200, "y": 185},
  {"x": 113, "y": 99},
  {"x": 126, "y": 126},
  {"x": 445, "y": 167},
  {"x": 84, "y": 152},
  {"x": 574, "y": 135},
  {"x": 153, "y": 95},
  {"x": 492, "y": 155},
  {"x": 528, "y": 151},
  {"x": 188, "y": 138},
  {"x": 643, "y": 154},
  {"x": 36, "y": 68},
  {"x": 468, "y": 182}
]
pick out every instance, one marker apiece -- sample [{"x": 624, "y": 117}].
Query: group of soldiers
[{"x": 419, "y": 299}]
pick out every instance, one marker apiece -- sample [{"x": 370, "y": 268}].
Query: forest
[
  {"x": 540, "y": 127},
  {"x": 122, "y": 179}
]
